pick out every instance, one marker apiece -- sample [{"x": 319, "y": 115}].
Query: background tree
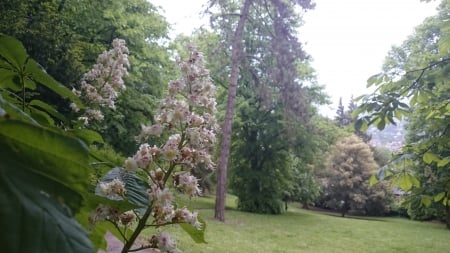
[
  {"x": 269, "y": 57},
  {"x": 305, "y": 187},
  {"x": 340, "y": 117},
  {"x": 350, "y": 165},
  {"x": 260, "y": 171}
]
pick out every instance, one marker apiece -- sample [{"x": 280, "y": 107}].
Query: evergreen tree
[
  {"x": 340, "y": 115},
  {"x": 260, "y": 171}
]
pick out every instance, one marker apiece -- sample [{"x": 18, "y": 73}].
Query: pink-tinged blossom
[
  {"x": 130, "y": 164},
  {"x": 103, "y": 213},
  {"x": 145, "y": 155},
  {"x": 115, "y": 188},
  {"x": 166, "y": 243},
  {"x": 101, "y": 85},
  {"x": 195, "y": 120},
  {"x": 187, "y": 183},
  {"x": 184, "y": 215},
  {"x": 157, "y": 177},
  {"x": 127, "y": 218}
]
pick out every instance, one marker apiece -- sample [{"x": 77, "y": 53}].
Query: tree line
[{"x": 274, "y": 146}]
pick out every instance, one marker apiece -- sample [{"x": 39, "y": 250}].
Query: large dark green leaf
[
  {"x": 33, "y": 219},
  {"x": 58, "y": 158}
]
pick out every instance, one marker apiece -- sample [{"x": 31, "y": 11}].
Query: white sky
[{"x": 348, "y": 39}]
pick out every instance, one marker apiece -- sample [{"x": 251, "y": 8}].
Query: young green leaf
[{"x": 430, "y": 157}]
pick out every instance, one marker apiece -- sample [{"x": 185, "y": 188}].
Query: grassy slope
[{"x": 306, "y": 231}]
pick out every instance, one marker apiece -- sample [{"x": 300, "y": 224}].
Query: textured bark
[{"x": 236, "y": 56}]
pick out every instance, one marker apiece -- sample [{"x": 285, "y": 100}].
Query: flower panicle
[{"x": 101, "y": 86}]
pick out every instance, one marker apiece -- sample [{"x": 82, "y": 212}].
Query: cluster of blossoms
[
  {"x": 103, "y": 213},
  {"x": 164, "y": 212},
  {"x": 186, "y": 116},
  {"x": 114, "y": 189},
  {"x": 103, "y": 83},
  {"x": 164, "y": 243}
]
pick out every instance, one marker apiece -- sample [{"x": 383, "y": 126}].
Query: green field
[{"x": 300, "y": 230}]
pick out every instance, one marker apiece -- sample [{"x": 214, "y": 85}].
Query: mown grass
[{"x": 300, "y": 230}]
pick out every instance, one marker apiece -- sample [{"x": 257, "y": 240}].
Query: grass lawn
[{"x": 300, "y": 230}]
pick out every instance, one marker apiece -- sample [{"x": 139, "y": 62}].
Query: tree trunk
[
  {"x": 236, "y": 55},
  {"x": 447, "y": 211}
]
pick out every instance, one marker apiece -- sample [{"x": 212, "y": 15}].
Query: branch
[
  {"x": 423, "y": 70},
  {"x": 141, "y": 248}
]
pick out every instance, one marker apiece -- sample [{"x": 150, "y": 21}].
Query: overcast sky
[{"x": 348, "y": 39}]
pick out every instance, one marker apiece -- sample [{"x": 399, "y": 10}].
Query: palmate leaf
[
  {"x": 14, "y": 55},
  {"x": 44, "y": 175},
  {"x": 55, "y": 156},
  {"x": 35, "y": 221}
]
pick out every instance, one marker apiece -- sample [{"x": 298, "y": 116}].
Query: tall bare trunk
[{"x": 236, "y": 55}]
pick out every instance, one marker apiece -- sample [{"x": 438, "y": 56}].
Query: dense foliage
[
  {"x": 274, "y": 101},
  {"x": 65, "y": 37},
  {"x": 414, "y": 84},
  {"x": 347, "y": 188}
]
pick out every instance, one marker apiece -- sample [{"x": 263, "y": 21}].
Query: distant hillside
[{"x": 392, "y": 137}]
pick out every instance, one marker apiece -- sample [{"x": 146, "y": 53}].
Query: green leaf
[
  {"x": 15, "y": 112},
  {"x": 426, "y": 201},
  {"x": 443, "y": 162},
  {"x": 87, "y": 135},
  {"x": 48, "y": 109},
  {"x": 53, "y": 155},
  {"x": 413, "y": 100},
  {"x": 444, "y": 45},
  {"x": 361, "y": 124},
  {"x": 35, "y": 221},
  {"x": 375, "y": 80},
  {"x": 430, "y": 157},
  {"x": 41, "y": 116},
  {"x": 439, "y": 196},
  {"x": 9, "y": 79},
  {"x": 13, "y": 51},
  {"x": 381, "y": 124},
  {"x": 39, "y": 75},
  {"x": 406, "y": 182},
  {"x": 373, "y": 180},
  {"x": 197, "y": 235}
]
